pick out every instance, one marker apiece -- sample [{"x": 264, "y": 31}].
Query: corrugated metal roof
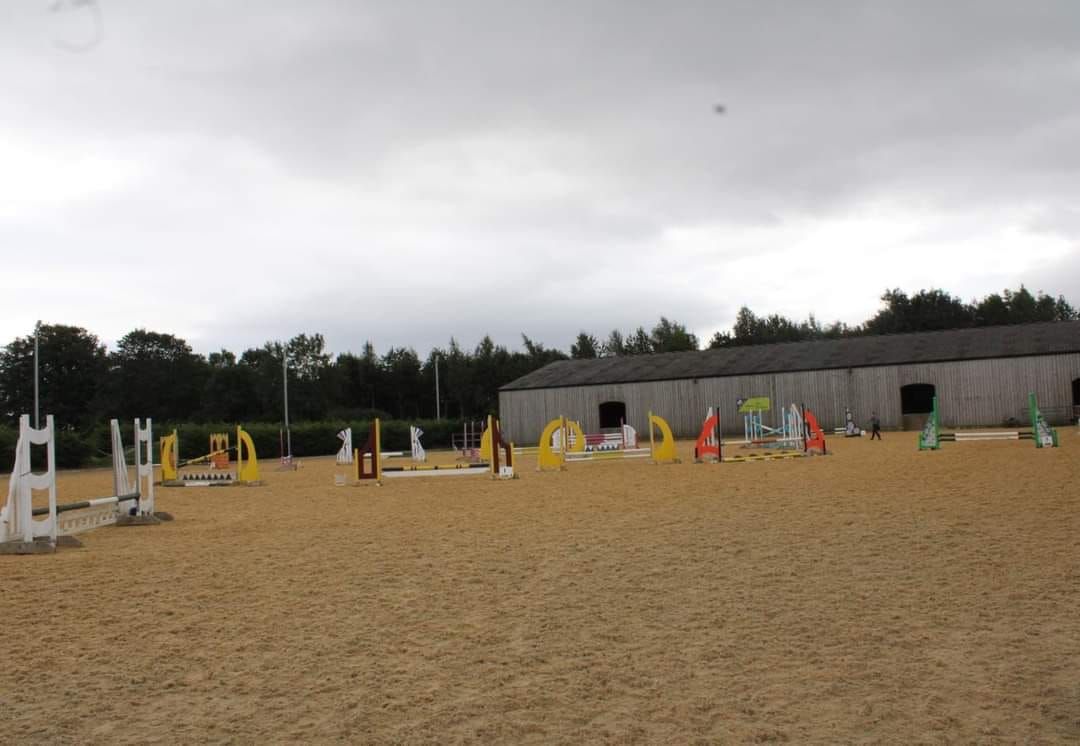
[{"x": 1017, "y": 340}]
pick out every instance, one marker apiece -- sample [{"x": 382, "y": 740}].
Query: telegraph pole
[
  {"x": 37, "y": 349},
  {"x": 438, "y": 410},
  {"x": 285, "y": 388}
]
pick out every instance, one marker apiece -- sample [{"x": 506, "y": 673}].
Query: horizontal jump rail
[
  {"x": 989, "y": 435},
  {"x": 94, "y": 503},
  {"x": 608, "y": 455},
  {"x": 203, "y": 459},
  {"x": 437, "y": 467},
  {"x": 765, "y": 456},
  {"x": 463, "y": 472}
]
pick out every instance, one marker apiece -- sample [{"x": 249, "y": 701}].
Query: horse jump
[
  {"x": 25, "y": 529},
  {"x": 247, "y": 464},
  {"x": 805, "y": 436},
  {"x": 1044, "y": 436},
  {"x": 368, "y": 466},
  {"x": 345, "y": 453},
  {"x": 551, "y": 453}
]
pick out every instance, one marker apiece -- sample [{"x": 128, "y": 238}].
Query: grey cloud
[{"x": 388, "y": 153}]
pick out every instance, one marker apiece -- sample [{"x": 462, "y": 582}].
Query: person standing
[{"x": 875, "y": 426}]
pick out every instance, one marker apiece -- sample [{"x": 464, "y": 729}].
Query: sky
[{"x": 406, "y": 172}]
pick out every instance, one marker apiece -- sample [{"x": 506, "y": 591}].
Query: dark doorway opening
[
  {"x": 612, "y": 414},
  {"x": 1076, "y": 399},
  {"x": 917, "y": 398},
  {"x": 916, "y": 404}
]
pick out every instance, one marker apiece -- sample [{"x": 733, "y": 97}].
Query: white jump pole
[{"x": 285, "y": 388}]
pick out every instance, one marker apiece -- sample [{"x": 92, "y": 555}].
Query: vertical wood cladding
[{"x": 971, "y": 393}]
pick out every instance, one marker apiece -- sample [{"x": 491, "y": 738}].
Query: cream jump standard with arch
[
  {"x": 247, "y": 462},
  {"x": 416, "y": 449},
  {"x": 25, "y": 529},
  {"x": 368, "y": 460},
  {"x": 552, "y": 455}
]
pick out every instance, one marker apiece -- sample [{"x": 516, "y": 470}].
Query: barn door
[
  {"x": 916, "y": 404},
  {"x": 612, "y": 414}
]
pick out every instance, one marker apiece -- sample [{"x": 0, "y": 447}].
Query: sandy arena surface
[{"x": 875, "y": 595}]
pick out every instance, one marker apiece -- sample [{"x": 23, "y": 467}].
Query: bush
[
  {"x": 93, "y": 446},
  {"x": 8, "y": 438},
  {"x": 73, "y": 451}
]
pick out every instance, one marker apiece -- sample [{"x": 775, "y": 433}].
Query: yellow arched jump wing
[
  {"x": 247, "y": 465},
  {"x": 169, "y": 453},
  {"x": 547, "y": 457},
  {"x": 663, "y": 452},
  {"x": 485, "y": 443}
]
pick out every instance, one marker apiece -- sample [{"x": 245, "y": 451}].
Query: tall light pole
[
  {"x": 285, "y": 389},
  {"x": 37, "y": 349},
  {"x": 438, "y": 410}
]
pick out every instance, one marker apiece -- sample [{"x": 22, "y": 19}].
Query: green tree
[
  {"x": 459, "y": 382},
  {"x": 229, "y": 394},
  {"x": 263, "y": 366},
  {"x": 721, "y": 339},
  {"x": 927, "y": 310},
  {"x": 615, "y": 344},
  {"x": 359, "y": 381},
  {"x": 585, "y": 347},
  {"x": 638, "y": 342},
  {"x": 1021, "y": 307},
  {"x": 309, "y": 377},
  {"x": 157, "y": 375},
  {"x": 72, "y": 373},
  {"x": 992, "y": 311},
  {"x": 401, "y": 368},
  {"x": 750, "y": 329},
  {"x": 671, "y": 336},
  {"x": 538, "y": 355}
]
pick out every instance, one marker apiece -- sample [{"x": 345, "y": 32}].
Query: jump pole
[
  {"x": 37, "y": 369},
  {"x": 719, "y": 440},
  {"x": 373, "y": 448},
  {"x": 21, "y": 534},
  {"x": 287, "y": 458}
]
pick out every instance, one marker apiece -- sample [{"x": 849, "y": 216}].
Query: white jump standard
[
  {"x": 345, "y": 453},
  {"x": 416, "y": 449},
  {"x": 1044, "y": 436},
  {"x": 25, "y": 529},
  {"x": 552, "y": 455},
  {"x": 367, "y": 461},
  {"x": 247, "y": 464}
]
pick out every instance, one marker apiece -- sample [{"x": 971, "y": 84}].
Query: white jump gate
[
  {"x": 25, "y": 529},
  {"x": 416, "y": 449},
  {"x": 345, "y": 453}
]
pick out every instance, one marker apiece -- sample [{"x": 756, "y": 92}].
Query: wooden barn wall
[{"x": 975, "y": 393}]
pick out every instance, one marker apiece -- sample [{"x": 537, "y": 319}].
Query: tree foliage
[
  {"x": 158, "y": 375},
  {"x": 666, "y": 336},
  {"x": 585, "y": 347},
  {"x": 72, "y": 374},
  {"x": 926, "y": 310}
]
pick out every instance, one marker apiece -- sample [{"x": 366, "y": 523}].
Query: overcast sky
[{"x": 234, "y": 172}]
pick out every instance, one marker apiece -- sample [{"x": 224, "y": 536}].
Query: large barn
[{"x": 981, "y": 377}]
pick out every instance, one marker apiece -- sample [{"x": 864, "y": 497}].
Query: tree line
[
  {"x": 926, "y": 310},
  {"x": 158, "y": 374}
]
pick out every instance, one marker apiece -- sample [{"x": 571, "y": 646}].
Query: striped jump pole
[
  {"x": 367, "y": 460},
  {"x": 25, "y": 529},
  {"x": 92, "y": 503}
]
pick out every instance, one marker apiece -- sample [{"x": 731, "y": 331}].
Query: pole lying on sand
[{"x": 92, "y": 503}]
